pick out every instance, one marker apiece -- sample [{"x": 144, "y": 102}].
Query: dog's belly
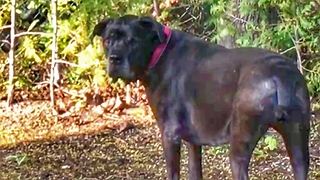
[
  {"x": 198, "y": 138},
  {"x": 208, "y": 125}
]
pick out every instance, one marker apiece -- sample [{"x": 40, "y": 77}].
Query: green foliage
[
  {"x": 291, "y": 22},
  {"x": 74, "y": 42},
  {"x": 271, "y": 142},
  {"x": 75, "y": 24},
  {"x": 19, "y": 158},
  {"x": 267, "y": 143},
  {"x": 220, "y": 150},
  {"x": 275, "y": 25}
]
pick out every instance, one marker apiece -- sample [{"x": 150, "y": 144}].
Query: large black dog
[{"x": 206, "y": 94}]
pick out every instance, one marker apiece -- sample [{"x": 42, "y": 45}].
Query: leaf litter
[{"x": 110, "y": 133}]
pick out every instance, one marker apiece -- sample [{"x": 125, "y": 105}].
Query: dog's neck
[
  {"x": 160, "y": 49},
  {"x": 157, "y": 66}
]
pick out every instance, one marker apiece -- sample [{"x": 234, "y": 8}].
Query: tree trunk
[{"x": 54, "y": 52}]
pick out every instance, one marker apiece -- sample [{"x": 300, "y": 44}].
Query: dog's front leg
[
  {"x": 194, "y": 162},
  {"x": 171, "y": 144}
]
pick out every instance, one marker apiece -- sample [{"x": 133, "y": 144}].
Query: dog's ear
[
  {"x": 150, "y": 24},
  {"x": 100, "y": 27}
]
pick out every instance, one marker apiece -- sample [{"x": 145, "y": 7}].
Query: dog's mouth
[{"x": 126, "y": 80}]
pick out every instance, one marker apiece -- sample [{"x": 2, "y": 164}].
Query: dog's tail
[{"x": 284, "y": 95}]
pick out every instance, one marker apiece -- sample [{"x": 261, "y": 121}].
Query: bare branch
[
  {"x": 311, "y": 71},
  {"x": 54, "y": 53},
  {"x": 71, "y": 64},
  {"x": 295, "y": 41},
  {"x": 237, "y": 18},
  {"x": 287, "y": 50},
  {"x": 11, "y": 54},
  {"x": 5, "y": 27},
  {"x": 156, "y": 8},
  {"x": 26, "y": 33},
  {"x": 33, "y": 33},
  {"x": 5, "y": 41}
]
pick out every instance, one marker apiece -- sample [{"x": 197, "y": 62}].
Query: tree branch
[
  {"x": 156, "y": 8},
  {"x": 295, "y": 41},
  {"x": 5, "y": 27},
  {"x": 11, "y": 55},
  {"x": 33, "y": 33}
]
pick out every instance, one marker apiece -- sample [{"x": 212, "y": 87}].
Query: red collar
[{"x": 160, "y": 49}]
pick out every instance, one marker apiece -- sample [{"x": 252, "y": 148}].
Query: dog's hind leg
[
  {"x": 194, "y": 162},
  {"x": 245, "y": 133},
  {"x": 295, "y": 134}
]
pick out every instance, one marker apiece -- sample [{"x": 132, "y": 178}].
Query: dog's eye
[
  {"x": 106, "y": 41},
  {"x": 133, "y": 41}
]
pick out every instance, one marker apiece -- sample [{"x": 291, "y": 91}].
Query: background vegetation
[{"x": 289, "y": 27}]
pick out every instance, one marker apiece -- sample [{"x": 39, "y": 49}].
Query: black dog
[{"x": 206, "y": 94}]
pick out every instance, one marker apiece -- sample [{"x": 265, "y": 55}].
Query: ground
[{"x": 34, "y": 145}]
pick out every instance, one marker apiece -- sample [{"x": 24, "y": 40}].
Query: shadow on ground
[{"x": 134, "y": 154}]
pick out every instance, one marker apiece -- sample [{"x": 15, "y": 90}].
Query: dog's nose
[{"x": 115, "y": 59}]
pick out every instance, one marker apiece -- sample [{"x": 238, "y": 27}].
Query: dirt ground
[{"x": 43, "y": 149}]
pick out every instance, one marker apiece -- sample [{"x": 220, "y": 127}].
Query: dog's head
[{"x": 129, "y": 43}]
